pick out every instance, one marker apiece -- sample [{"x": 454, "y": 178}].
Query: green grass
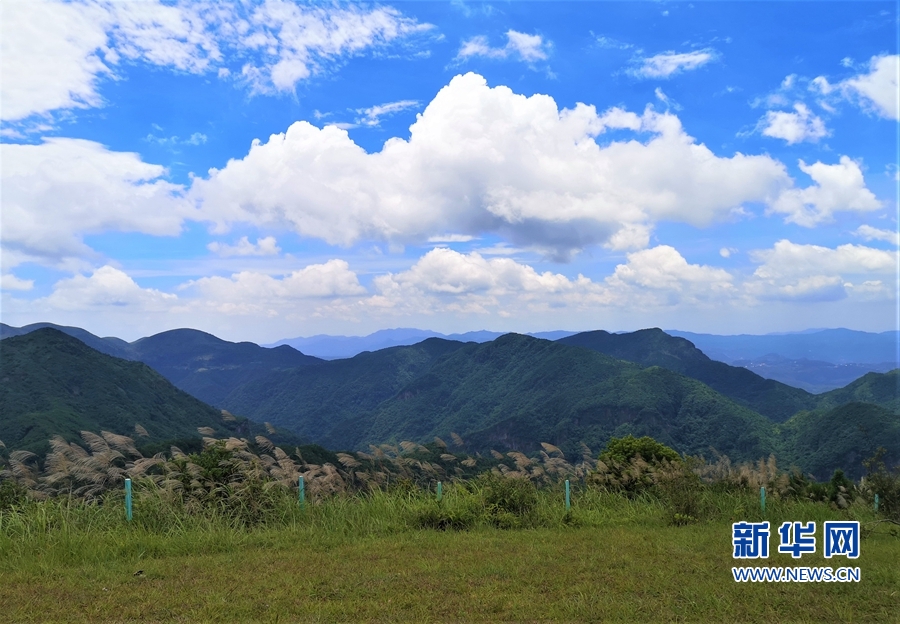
[{"x": 355, "y": 559}]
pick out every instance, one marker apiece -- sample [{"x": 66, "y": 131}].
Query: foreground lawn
[{"x": 639, "y": 572}]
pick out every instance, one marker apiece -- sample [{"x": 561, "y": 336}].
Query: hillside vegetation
[
  {"x": 512, "y": 393},
  {"x": 653, "y": 347},
  {"x": 53, "y": 384}
]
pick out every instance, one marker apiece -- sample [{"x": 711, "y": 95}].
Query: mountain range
[
  {"x": 515, "y": 391},
  {"x": 815, "y": 360}
]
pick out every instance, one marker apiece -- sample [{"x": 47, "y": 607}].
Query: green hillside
[
  {"x": 881, "y": 389},
  {"x": 653, "y": 347},
  {"x": 331, "y": 403},
  {"x": 519, "y": 391},
  {"x": 201, "y": 364},
  {"x": 841, "y": 437},
  {"x": 51, "y": 383},
  {"x": 210, "y": 368},
  {"x": 513, "y": 392}
]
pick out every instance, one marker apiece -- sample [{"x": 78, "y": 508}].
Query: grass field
[{"x": 353, "y": 559}]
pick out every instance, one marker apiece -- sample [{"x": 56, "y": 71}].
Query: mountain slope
[
  {"x": 51, "y": 383},
  {"x": 519, "y": 391},
  {"x": 841, "y": 437},
  {"x": 210, "y": 368},
  {"x": 115, "y": 347},
  {"x": 328, "y": 402},
  {"x": 513, "y": 392},
  {"x": 882, "y": 389},
  {"x": 198, "y": 363},
  {"x": 653, "y": 347}
]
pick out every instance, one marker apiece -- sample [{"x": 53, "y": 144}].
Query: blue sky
[{"x": 278, "y": 169}]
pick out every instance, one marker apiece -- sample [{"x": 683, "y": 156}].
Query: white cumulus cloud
[
  {"x": 372, "y": 115},
  {"x": 801, "y": 125},
  {"x": 57, "y": 191},
  {"x": 106, "y": 287},
  {"x": 877, "y": 90},
  {"x": 294, "y": 41},
  {"x": 55, "y": 53},
  {"x": 483, "y": 159},
  {"x": 839, "y": 187},
  {"x": 792, "y": 271},
  {"x": 663, "y": 276},
  {"x": 250, "y": 292},
  {"x": 8, "y": 281}
]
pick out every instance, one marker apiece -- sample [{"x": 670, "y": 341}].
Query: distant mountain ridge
[
  {"x": 653, "y": 347},
  {"x": 198, "y": 363},
  {"x": 335, "y": 347}
]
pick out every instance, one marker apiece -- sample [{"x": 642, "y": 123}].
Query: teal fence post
[
  {"x": 440, "y": 491},
  {"x": 301, "y": 492},
  {"x": 128, "y": 499},
  {"x": 762, "y": 499},
  {"x": 568, "y": 498},
  {"x": 876, "y": 503}
]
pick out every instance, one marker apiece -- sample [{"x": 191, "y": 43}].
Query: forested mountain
[
  {"x": 653, "y": 347},
  {"x": 51, "y": 383},
  {"x": 510, "y": 393},
  {"x": 201, "y": 364},
  {"x": 115, "y": 347},
  {"x": 210, "y": 368},
  {"x": 331, "y": 403},
  {"x": 841, "y": 437},
  {"x": 513, "y": 392}
]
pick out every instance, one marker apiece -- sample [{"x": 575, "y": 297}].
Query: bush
[
  {"x": 630, "y": 465},
  {"x": 11, "y": 494},
  {"x": 884, "y": 482},
  {"x": 623, "y": 450}
]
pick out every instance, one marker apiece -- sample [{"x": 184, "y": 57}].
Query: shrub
[
  {"x": 623, "y": 450},
  {"x": 884, "y": 482},
  {"x": 11, "y": 494},
  {"x": 630, "y": 465}
]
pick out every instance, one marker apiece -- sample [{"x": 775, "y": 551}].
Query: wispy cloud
[
  {"x": 372, "y": 116},
  {"x": 197, "y": 138},
  {"x": 521, "y": 46},
  {"x": 668, "y": 64},
  {"x": 870, "y": 233},
  {"x": 278, "y": 43},
  {"x": 267, "y": 246}
]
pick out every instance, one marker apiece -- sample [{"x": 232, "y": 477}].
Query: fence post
[
  {"x": 440, "y": 491},
  {"x": 568, "y": 499},
  {"x": 876, "y": 503},
  {"x": 128, "y": 499},
  {"x": 301, "y": 492},
  {"x": 762, "y": 498}
]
